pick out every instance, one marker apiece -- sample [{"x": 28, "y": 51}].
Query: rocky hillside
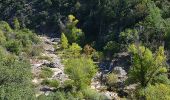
[{"x": 50, "y": 60}]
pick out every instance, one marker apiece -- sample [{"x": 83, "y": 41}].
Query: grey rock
[{"x": 120, "y": 71}]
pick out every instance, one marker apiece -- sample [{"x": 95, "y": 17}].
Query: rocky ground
[{"x": 54, "y": 64}]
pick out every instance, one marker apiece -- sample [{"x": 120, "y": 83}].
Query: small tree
[
  {"x": 156, "y": 92},
  {"x": 81, "y": 71},
  {"x": 16, "y": 24},
  {"x": 64, "y": 41},
  {"x": 146, "y": 66},
  {"x": 73, "y": 33},
  {"x": 75, "y": 50}
]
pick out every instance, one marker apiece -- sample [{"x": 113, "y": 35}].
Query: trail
[
  {"x": 54, "y": 64},
  {"x": 57, "y": 67}
]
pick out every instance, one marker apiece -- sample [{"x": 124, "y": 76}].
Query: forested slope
[{"x": 106, "y": 47}]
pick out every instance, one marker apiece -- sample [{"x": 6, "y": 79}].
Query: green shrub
[
  {"x": 46, "y": 72},
  {"x": 2, "y": 38},
  {"x": 15, "y": 78},
  {"x": 64, "y": 41},
  {"x": 14, "y": 46},
  {"x": 4, "y": 26},
  {"x": 156, "y": 92},
  {"x": 51, "y": 83},
  {"x": 60, "y": 96},
  {"x": 68, "y": 85},
  {"x": 97, "y": 56},
  {"x": 112, "y": 47},
  {"x": 90, "y": 94},
  {"x": 74, "y": 50},
  {"x": 32, "y": 36},
  {"x": 81, "y": 70},
  {"x": 16, "y": 24},
  {"x": 44, "y": 97},
  {"x": 44, "y": 58},
  {"x": 111, "y": 80},
  {"x": 74, "y": 34},
  {"x": 146, "y": 65},
  {"x": 35, "y": 50}
]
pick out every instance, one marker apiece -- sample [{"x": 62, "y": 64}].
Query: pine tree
[
  {"x": 146, "y": 66},
  {"x": 16, "y": 24},
  {"x": 64, "y": 41}
]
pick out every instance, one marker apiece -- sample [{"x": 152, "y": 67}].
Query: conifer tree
[
  {"x": 147, "y": 66},
  {"x": 64, "y": 41},
  {"x": 16, "y": 24}
]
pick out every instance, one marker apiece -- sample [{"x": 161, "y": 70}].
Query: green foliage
[
  {"x": 2, "y": 38},
  {"x": 108, "y": 24},
  {"x": 20, "y": 40},
  {"x": 68, "y": 85},
  {"x": 112, "y": 46},
  {"x": 64, "y": 41},
  {"x": 81, "y": 70},
  {"x": 51, "y": 83},
  {"x": 16, "y": 24},
  {"x": 146, "y": 65},
  {"x": 34, "y": 50},
  {"x": 161, "y": 79},
  {"x": 15, "y": 78},
  {"x": 90, "y": 94},
  {"x": 45, "y": 58},
  {"x": 111, "y": 80},
  {"x": 129, "y": 36},
  {"x": 156, "y": 92},
  {"x": 13, "y": 46},
  {"x": 4, "y": 26},
  {"x": 60, "y": 96},
  {"x": 154, "y": 18},
  {"x": 97, "y": 56},
  {"x": 73, "y": 33},
  {"x": 46, "y": 72},
  {"x": 74, "y": 50}
]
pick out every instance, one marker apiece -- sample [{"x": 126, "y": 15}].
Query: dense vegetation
[
  {"x": 91, "y": 31},
  {"x": 15, "y": 69}
]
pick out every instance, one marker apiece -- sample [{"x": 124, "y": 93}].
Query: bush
[
  {"x": 68, "y": 85},
  {"x": 112, "y": 47},
  {"x": 2, "y": 38},
  {"x": 156, "y": 92},
  {"x": 74, "y": 50},
  {"x": 45, "y": 58},
  {"x": 147, "y": 66},
  {"x": 35, "y": 50},
  {"x": 46, "y": 72},
  {"x": 64, "y": 41},
  {"x": 4, "y": 26},
  {"x": 97, "y": 56},
  {"x": 51, "y": 83},
  {"x": 16, "y": 24},
  {"x": 60, "y": 96},
  {"x": 74, "y": 34},
  {"x": 111, "y": 80},
  {"x": 90, "y": 94},
  {"x": 81, "y": 70},
  {"x": 14, "y": 46},
  {"x": 15, "y": 78}
]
